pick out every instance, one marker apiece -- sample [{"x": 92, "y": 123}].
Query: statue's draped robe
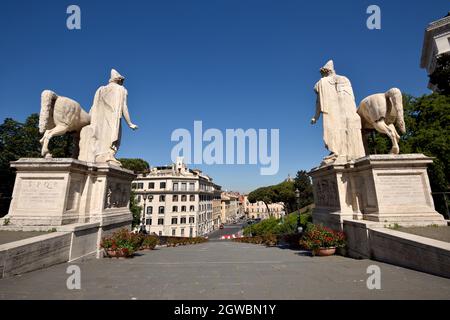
[
  {"x": 341, "y": 123},
  {"x": 106, "y": 114}
]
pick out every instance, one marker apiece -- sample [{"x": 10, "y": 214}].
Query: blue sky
[{"x": 230, "y": 63}]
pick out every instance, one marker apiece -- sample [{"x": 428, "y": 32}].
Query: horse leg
[
  {"x": 365, "y": 139},
  {"x": 382, "y": 127},
  {"x": 397, "y": 136},
  {"x": 59, "y": 130}
]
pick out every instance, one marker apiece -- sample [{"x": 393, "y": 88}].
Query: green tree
[
  {"x": 302, "y": 182},
  {"x": 135, "y": 164},
  {"x": 441, "y": 75},
  {"x": 282, "y": 192},
  {"x": 136, "y": 210}
]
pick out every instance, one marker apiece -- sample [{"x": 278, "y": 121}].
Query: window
[
  {"x": 173, "y": 232},
  {"x": 191, "y": 208},
  {"x": 140, "y": 185},
  {"x": 151, "y": 185},
  {"x": 150, "y": 198},
  {"x": 191, "y": 219},
  {"x": 174, "y": 209},
  {"x": 162, "y": 198},
  {"x": 183, "y": 197},
  {"x": 149, "y": 210},
  {"x": 182, "y": 232},
  {"x": 161, "y": 210},
  {"x": 133, "y": 186},
  {"x": 183, "y": 220},
  {"x": 175, "y": 198},
  {"x": 160, "y": 233},
  {"x": 174, "y": 220},
  {"x": 191, "y": 197},
  {"x": 162, "y": 185},
  {"x": 183, "y": 186},
  {"x": 191, "y": 232},
  {"x": 191, "y": 187},
  {"x": 183, "y": 208},
  {"x": 148, "y": 222},
  {"x": 175, "y": 187},
  {"x": 138, "y": 198},
  {"x": 160, "y": 221}
]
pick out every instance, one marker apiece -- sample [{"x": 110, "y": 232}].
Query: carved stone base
[
  {"x": 56, "y": 192},
  {"x": 391, "y": 189}
]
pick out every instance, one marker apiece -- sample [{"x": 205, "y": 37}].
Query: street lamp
[
  {"x": 297, "y": 197},
  {"x": 144, "y": 197}
]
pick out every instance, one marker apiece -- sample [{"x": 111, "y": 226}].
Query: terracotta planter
[
  {"x": 324, "y": 252},
  {"x": 118, "y": 253}
]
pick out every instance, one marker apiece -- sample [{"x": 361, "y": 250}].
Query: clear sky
[{"x": 229, "y": 63}]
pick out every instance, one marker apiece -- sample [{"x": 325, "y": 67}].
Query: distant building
[
  {"x": 176, "y": 200},
  {"x": 436, "y": 42},
  {"x": 229, "y": 207},
  {"x": 258, "y": 210}
]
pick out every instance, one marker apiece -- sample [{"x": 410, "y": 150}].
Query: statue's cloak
[{"x": 106, "y": 114}]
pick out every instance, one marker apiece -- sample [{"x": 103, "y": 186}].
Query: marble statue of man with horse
[{"x": 100, "y": 130}]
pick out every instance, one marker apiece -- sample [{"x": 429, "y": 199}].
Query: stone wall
[
  {"x": 34, "y": 253},
  {"x": 370, "y": 240}
]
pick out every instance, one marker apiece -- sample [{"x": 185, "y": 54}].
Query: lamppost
[
  {"x": 297, "y": 197},
  {"x": 144, "y": 197}
]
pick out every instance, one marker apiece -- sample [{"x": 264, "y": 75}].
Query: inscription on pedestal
[
  {"x": 40, "y": 193},
  {"x": 401, "y": 189}
]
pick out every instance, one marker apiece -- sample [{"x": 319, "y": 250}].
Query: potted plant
[
  {"x": 322, "y": 241},
  {"x": 121, "y": 244}
]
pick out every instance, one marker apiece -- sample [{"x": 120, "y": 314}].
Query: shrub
[
  {"x": 318, "y": 236},
  {"x": 122, "y": 243},
  {"x": 270, "y": 239},
  {"x": 150, "y": 242}
]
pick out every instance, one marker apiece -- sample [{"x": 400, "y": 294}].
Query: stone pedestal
[
  {"x": 57, "y": 192},
  {"x": 389, "y": 189}
]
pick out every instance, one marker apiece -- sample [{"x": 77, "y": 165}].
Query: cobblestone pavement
[{"x": 225, "y": 270}]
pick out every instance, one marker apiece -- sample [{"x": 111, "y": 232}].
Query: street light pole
[
  {"x": 297, "y": 197},
  {"x": 144, "y": 197}
]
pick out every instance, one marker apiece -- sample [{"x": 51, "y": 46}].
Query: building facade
[
  {"x": 229, "y": 207},
  {"x": 176, "y": 200},
  {"x": 435, "y": 43},
  {"x": 258, "y": 210}
]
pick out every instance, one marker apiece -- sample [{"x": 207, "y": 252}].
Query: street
[
  {"x": 228, "y": 229},
  {"x": 225, "y": 270}
]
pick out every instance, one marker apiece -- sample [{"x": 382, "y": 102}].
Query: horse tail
[{"x": 47, "y": 102}]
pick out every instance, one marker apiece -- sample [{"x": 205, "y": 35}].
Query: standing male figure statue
[
  {"x": 341, "y": 123},
  {"x": 100, "y": 140}
]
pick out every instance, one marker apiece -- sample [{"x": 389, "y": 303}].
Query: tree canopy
[
  {"x": 285, "y": 192},
  {"x": 135, "y": 164},
  {"x": 441, "y": 75}
]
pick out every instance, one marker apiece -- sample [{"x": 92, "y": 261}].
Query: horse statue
[
  {"x": 381, "y": 111},
  {"x": 60, "y": 115}
]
